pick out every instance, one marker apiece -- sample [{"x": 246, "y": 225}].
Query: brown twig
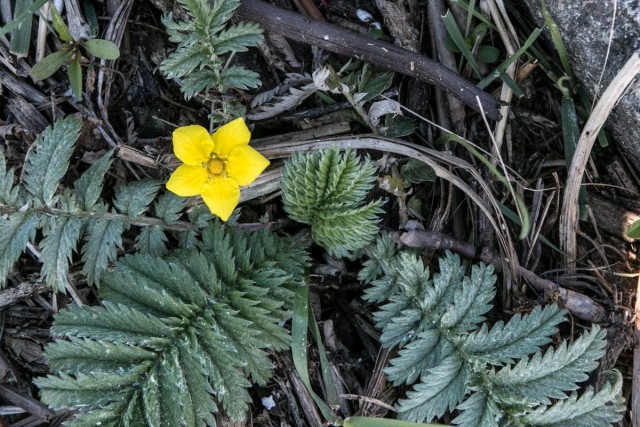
[
  {"x": 344, "y": 42},
  {"x": 24, "y": 290},
  {"x": 579, "y": 305}
]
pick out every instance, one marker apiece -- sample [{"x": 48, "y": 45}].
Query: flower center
[{"x": 215, "y": 166}]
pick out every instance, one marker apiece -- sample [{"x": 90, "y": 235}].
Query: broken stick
[{"x": 344, "y": 42}]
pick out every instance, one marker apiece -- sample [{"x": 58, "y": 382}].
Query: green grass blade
[
  {"x": 459, "y": 41},
  {"x": 327, "y": 376},
  {"x": 512, "y": 216},
  {"x": 15, "y": 23},
  {"x": 512, "y": 84},
  {"x": 473, "y": 11},
  {"x": 472, "y": 6},
  {"x": 499, "y": 71},
  {"x": 21, "y": 35},
  {"x": 299, "y": 326},
  {"x": 523, "y": 212},
  {"x": 557, "y": 39},
  {"x": 92, "y": 17}
]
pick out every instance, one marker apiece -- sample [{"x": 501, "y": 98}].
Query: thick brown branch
[
  {"x": 580, "y": 305},
  {"x": 344, "y": 42}
]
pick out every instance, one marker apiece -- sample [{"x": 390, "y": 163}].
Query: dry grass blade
[
  {"x": 609, "y": 99},
  {"x": 509, "y": 39}
]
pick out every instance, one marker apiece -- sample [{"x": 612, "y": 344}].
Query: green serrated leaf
[
  {"x": 240, "y": 78},
  {"x": 59, "y": 25},
  {"x": 57, "y": 249},
  {"x": 459, "y": 40},
  {"x": 522, "y": 335},
  {"x": 176, "y": 339},
  {"x": 75, "y": 78},
  {"x": 184, "y": 60},
  {"x": 52, "y": 63},
  {"x": 89, "y": 186},
  {"x": 104, "y": 49},
  {"x": 592, "y": 409},
  {"x": 134, "y": 198},
  {"x": 237, "y": 38},
  {"x": 373, "y": 83},
  {"x": 48, "y": 159},
  {"x": 440, "y": 390},
  {"x": 417, "y": 172},
  {"x": 102, "y": 240},
  {"x": 169, "y": 207},
  {"x": 15, "y": 232},
  {"x": 152, "y": 241},
  {"x": 542, "y": 378},
  {"x": 8, "y": 193}
]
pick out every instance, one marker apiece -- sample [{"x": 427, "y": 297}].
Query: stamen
[{"x": 215, "y": 166}]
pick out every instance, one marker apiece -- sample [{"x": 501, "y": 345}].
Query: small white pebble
[
  {"x": 364, "y": 16},
  {"x": 268, "y": 403}
]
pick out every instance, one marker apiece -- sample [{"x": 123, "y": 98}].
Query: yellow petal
[
  {"x": 229, "y": 136},
  {"x": 221, "y": 196},
  {"x": 245, "y": 164},
  {"x": 187, "y": 180},
  {"x": 192, "y": 144}
]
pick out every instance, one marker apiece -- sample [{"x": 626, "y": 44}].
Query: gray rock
[{"x": 585, "y": 28}]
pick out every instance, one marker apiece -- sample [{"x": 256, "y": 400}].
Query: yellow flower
[{"x": 215, "y": 166}]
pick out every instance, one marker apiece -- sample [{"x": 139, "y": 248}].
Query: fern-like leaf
[
  {"x": 445, "y": 354},
  {"x": 478, "y": 411},
  {"x": 102, "y": 240},
  {"x": 472, "y": 300},
  {"x": 152, "y": 241},
  {"x": 239, "y": 78},
  {"x": 343, "y": 232},
  {"x": 176, "y": 338},
  {"x": 327, "y": 190},
  {"x": 89, "y": 186},
  {"x": 589, "y": 410},
  {"x": 184, "y": 60},
  {"x": 382, "y": 255},
  {"x": 169, "y": 207},
  {"x": 8, "y": 193},
  {"x": 15, "y": 232},
  {"x": 134, "y": 198},
  {"x": 62, "y": 235},
  {"x": 535, "y": 381},
  {"x": 522, "y": 335},
  {"x": 48, "y": 161},
  {"x": 440, "y": 390},
  {"x": 425, "y": 352},
  {"x": 202, "y": 40},
  {"x": 237, "y": 37}
]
